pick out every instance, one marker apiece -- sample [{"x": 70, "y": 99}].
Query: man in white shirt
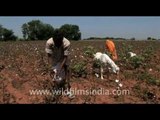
[{"x": 57, "y": 49}]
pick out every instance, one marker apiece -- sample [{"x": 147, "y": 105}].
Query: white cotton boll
[
  {"x": 150, "y": 69},
  {"x": 120, "y": 85},
  {"x": 116, "y": 81},
  {"x": 132, "y": 54},
  {"x": 59, "y": 78},
  {"x": 96, "y": 75},
  {"x": 35, "y": 49},
  {"x": 75, "y": 56},
  {"x": 55, "y": 70},
  {"x": 72, "y": 50}
]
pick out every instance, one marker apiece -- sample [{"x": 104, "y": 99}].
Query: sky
[{"x": 94, "y": 26}]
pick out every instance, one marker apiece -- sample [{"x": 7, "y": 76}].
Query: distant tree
[
  {"x": 1, "y": 32},
  {"x": 71, "y": 32},
  {"x": 154, "y": 39},
  {"x": 25, "y": 31},
  {"x": 109, "y": 38},
  {"x": 6, "y": 34},
  {"x": 133, "y": 38},
  {"x": 149, "y": 38},
  {"x": 46, "y": 31},
  {"x": 36, "y": 30}
]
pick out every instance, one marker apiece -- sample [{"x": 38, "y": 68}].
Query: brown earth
[{"x": 23, "y": 68}]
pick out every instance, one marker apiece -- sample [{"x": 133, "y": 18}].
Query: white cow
[{"x": 105, "y": 59}]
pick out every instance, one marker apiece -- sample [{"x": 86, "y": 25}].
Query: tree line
[{"x": 37, "y": 30}]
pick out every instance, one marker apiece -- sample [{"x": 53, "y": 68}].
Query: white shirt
[{"x": 58, "y": 53}]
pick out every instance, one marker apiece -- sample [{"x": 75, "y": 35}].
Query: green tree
[
  {"x": 71, "y": 32},
  {"x": 6, "y": 34},
  {"x": 46, "y": 31},
  {"x": 1, "y": 32},
  {"x": 25, "y": 31},
  {"x": 36, "y": 30},
  {"x": 149, "y": 38},
  {"x": 133, "y": 38}
]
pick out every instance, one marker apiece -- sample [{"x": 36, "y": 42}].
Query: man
[
  {"x": 110, "y": 46},
  {"x": 57, "y": 49}
]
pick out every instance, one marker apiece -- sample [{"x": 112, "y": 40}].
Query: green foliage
[
  {"x": 71, "y": 32},
  {"x": 79, "y": 69},
  {"x": 129, "y": 75},
  {"x": 36, "y": 30},
  {"x": 124, "y": 51},
  {"x": 136, "y": 61},
  {"x": 148, "y": 53},
  {"x": 89, "y": 51},
  {"x": 150, "y": 38},
  {"x": 132, "y": 38},
  {"x": 149, "y": 78},
  {"x": 6, "y": 34},
  {"x": 1, "y": 32},
  {"x": 144, "y": 76}
]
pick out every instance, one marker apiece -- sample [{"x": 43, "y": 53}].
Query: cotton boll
[
  {"x": 55, "y": 70},
  {"x": 36, "y": 49},
  {"x": 116, "y": 81},
  {"x": 96, "y": 75},
  {"x": 120, "y": 85},
  {"x": 132, "y": 54},
  {"x": 118, "y": 88},
  {"x": 59, "y": 78}
]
